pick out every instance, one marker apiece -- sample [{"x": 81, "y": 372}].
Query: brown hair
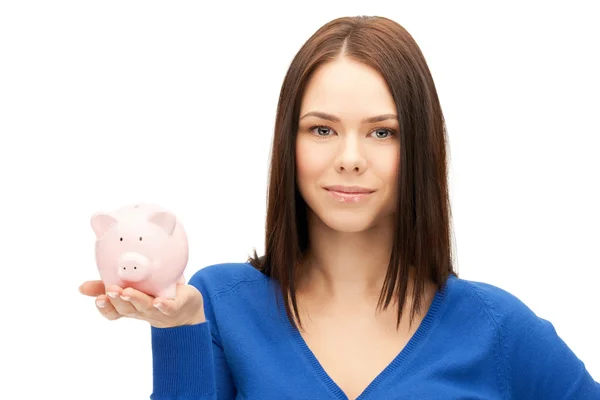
[{"x": 422, "y": 237}]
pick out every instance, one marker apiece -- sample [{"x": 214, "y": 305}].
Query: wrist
[{"x": 198, "y": 318}]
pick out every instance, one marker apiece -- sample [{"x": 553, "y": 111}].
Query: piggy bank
[{"x": 141, "y": 246}]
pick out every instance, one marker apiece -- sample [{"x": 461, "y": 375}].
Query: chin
[{"x": 348, "y": 221}]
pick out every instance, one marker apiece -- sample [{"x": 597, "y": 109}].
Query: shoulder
[
  {"x": 237, "y": 297},
  {"x": 218, "y": 279},
  {"x": 528, "y": 344},
  {"x": 511, "y": 318},
  {"x": 502, "y": 306}
]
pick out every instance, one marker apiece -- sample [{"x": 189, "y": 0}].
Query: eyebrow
[{"x": 333, "y": 118}]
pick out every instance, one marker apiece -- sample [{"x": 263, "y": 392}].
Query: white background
[{"x": 109, "y": 102}]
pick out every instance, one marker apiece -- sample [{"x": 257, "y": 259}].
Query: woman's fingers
[
  {"x": 92, "y": 288},
  {"x": 106, "y": 308},
  {"x": 166, "y": 306},
  {"x": 123, "y": 307},
  {"x": 186, "y": 308},
  {"x": 171, "y": 307},
  {"x": 140, "y": 301}
]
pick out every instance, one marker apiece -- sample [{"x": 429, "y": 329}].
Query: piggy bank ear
[
  {"x": 164, "y": 220},
  {"x": 101, "y": 223}
]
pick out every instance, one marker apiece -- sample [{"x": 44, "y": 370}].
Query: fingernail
[
  {"x": 100, "y": 303},
  {"x": 126, "y": 298},
  {"x": 112, "y": 295},
  {"x": 158, "y": 305}
]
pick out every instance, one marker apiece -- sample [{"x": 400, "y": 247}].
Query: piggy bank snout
[{"x": 133, "y": 267}]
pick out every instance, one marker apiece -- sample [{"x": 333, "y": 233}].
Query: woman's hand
[{"x": 186, "y": 309}]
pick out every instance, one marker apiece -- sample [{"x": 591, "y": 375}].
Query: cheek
[
  {"x": 385, "y": 162},
  {"x": 310, "y": 162},
  {"x": 385, "y": 167},
  {"x": 390, "y": 172}
]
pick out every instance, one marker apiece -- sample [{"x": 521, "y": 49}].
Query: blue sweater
[{"x": 477, "y": 341}]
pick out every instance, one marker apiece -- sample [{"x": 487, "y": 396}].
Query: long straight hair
[{"x": 422, "y": 237}]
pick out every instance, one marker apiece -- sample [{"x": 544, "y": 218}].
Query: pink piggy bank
[{"x": 142, "y": 246}]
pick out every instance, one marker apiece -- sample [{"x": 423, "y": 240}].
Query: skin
[
  {"x": 114, "y": 302},
  {"x": 351, "y": 243}
]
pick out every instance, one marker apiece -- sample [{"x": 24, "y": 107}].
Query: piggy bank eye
[
  {"x": 121, "y": 239},
  {"x": 140, "y": 238}
]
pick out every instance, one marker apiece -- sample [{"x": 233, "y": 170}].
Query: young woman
[{"x": 356, "y": 296}]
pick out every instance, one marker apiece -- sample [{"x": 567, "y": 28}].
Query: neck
[{"x": 346, "y": 266}]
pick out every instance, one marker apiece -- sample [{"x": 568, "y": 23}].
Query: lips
[
  {"x": 349, "y": 194},
  {"x": 356, "y": 190}
]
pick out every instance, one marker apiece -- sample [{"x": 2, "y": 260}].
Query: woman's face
[{"x": 347, "y": 146}]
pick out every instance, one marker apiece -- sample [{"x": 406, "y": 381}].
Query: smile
[{"x": 349, "y": 194}]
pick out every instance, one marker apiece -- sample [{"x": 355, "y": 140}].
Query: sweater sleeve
[
  {"x": 188, "y": 361},
  {"x": 538, "y": 363}
]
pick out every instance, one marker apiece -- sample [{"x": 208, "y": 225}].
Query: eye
[
  {"x": 121, "y": 239},
  {"x": 140, "y": 238},
  {"x": 382, "y": 133},
  {"x": 320, "y": 130}
]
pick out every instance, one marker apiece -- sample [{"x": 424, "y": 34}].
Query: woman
[{"x": 356, "y": 296}]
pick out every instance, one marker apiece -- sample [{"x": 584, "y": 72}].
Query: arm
[
  {"x": 539, "y": 364},
  {"x": 188, "y": 361}
]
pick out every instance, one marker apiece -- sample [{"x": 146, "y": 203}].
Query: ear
[
  {"x": 101, "y": 223},
  {"x": 164, "y": 220}
]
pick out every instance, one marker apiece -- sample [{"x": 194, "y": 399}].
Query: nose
[{"x": 350, "y": 157}]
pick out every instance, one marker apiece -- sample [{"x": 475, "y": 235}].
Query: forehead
[{"x": 348, "y": 89}]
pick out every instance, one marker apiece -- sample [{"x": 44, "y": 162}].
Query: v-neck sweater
[{"x": 476, "y": 341}]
